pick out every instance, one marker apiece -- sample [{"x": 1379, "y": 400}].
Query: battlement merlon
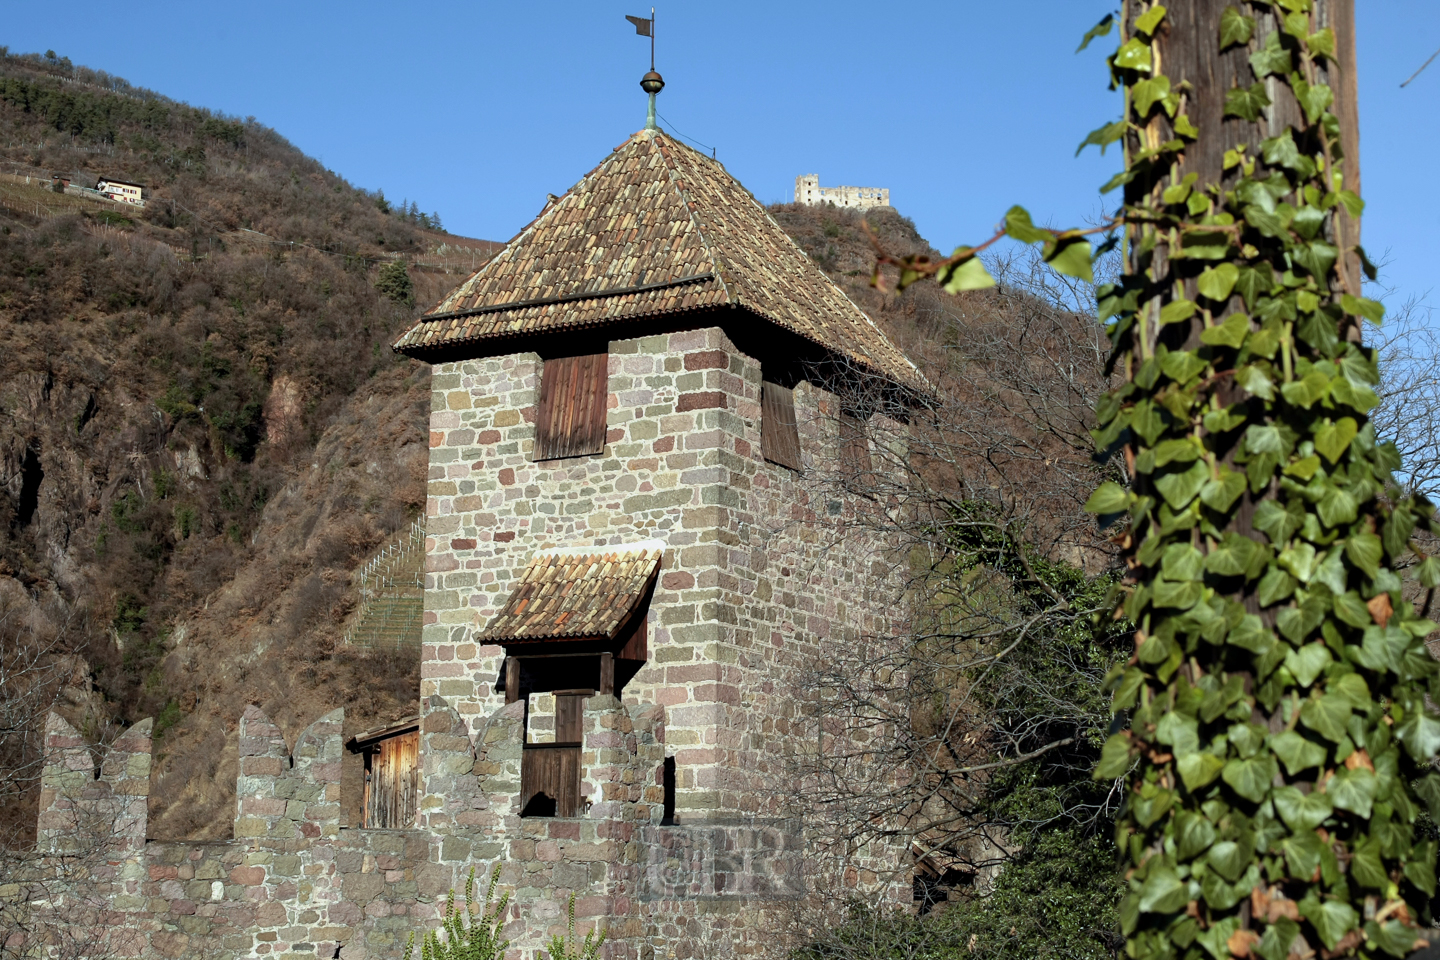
[{"x": 809, "y": 192}]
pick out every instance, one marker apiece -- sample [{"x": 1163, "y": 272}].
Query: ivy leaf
[
  {"x": 1420, "y": 868},
  {"x": 1321, "y": 43},
  {"x": 1115, "y": 758},
  {"x": 1219, "y": 494},
  {"x": 1235, "y": 27},
  {"x": 1177, "y": 311},
  {"x": 1163, "y": 891},
  {"x": 1072, "y": 258},
  {"x": 1336, "y": 507},
  {"x": 1182, "y": 366},
  {"x": 1184, "y": 128},
  {"x": 1302, "y": 854},
  {"x": 1271, "y": 58},
  {"x": 1332, "y": 919},
  {"x": 1296, "y": 752},
  {"x": 1108, "y": 498},
  {"x": 1217, "y": 281},
  {"x": 1315, "y": 99},
  {"x": 1317, "y": 256},
  {"x": 1150, "y": 19},
  {"x": 1353, "y": 688},
  {"x": 1252, "y": 282},
  {"x": 1228, "y": 859},
  {"x": 1395, "y": 938},
  {"x": 1250, "y": 778},
  {"x": 1420, "y": 733},
  {"x": 1256, "y": 381},
  {"x": 1306, "y": 663},
  {"x": 1351, "y": 609},
  {"x": 1100, "y": 29},
  {"x": 1180, "y": 488},
  {"x": 1179, "y": 732},
  {"x": 1281, "y": 151},
  {"x": 1019, "y": 226},
  {"x": 966, "y": 275},
  {"x": 1102, "y": 137},
  {"x": 1247, "y": 103},
  {"x": 1134, "y": 55},
  {"x": 1326, "y": 715},
  {"x": 1427, "y": 788},
  {"x": 1367, "y": 868},
  {"x": 1279, "y": 522},
  {"x": 1182, "y": 562},
  {"x": 1353, "y": 790},
  {"x": 1371, "y": 310},
  {"x": 1193, "y": 832},
  {"x": 1365, "y": 551},
  {"x": 1198, "y": 769},
  {"x": 1145, "y": 93},
  {"x": 1231, "y": 333},
  {"x": 1333, "y": 438}
]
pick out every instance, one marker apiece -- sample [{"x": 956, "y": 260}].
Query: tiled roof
[
  {"x": 657, "y": 228},
  {"x": 576, "y": 593}
]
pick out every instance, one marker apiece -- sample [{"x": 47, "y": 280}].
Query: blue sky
[{"x": 477, "y": 110}]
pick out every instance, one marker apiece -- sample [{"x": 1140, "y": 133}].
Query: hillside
[
  {"x": 202, "y": 429},
  {"x": 203, "y": 433}
]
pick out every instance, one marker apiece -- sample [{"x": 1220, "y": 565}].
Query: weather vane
[{"x": 652, "y": 83}]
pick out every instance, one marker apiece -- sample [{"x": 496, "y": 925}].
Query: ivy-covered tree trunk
[{"x": 1276, "y": 755}]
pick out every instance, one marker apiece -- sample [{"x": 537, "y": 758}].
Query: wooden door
[{"x": 392, "y": 782}]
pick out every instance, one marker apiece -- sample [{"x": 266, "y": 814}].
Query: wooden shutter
[
  {"x": 392, "y": 782},
  {"x": 570, "y": 419},
  {"x": 854, "y": 446},
  {"x": 779, "y": 434}
]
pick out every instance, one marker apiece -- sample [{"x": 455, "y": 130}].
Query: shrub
[{"x": 464, "y": 938}]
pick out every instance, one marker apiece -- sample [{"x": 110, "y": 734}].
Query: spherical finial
[{"x": 652, "y": 82}]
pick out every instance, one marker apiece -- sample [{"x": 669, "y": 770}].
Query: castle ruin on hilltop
[
  {"x": 809, "y": 192},
  {"x": 632, "y": 556}
]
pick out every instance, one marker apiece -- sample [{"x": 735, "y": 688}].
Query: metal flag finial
[{"x": 652, "y": 83}]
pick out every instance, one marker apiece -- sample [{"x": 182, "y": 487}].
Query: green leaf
[
  {"x": 1193, "y": 833},
  {"x": 1420, "y": 868},
  {"x": 1115, "y": 758},
  {"x": 1247, "y": 103},
  {"x": 1302, "y": 854},
  {"x": 1019, "y": 226},
  {"x": 1108, "y": 498},
  {"x": 1182, "y": 562},
  {"x": 1354, "y": 689},
  {"x": 1180, "y": 488},
  {"x": 1333, "y": 438},
  {"x": 1332, "y": 919},
  {"x": 1279, "y": 522},
  {"x": 1182, "y": 366},
  {"x": 1365, "y": 551},
  {"x": 1181, "y": 596},
  {"x": 966, "y": 275},
  {"x": 1228, "y": 859},
  {"x": 1296, "y": 752},
  {"x": 1321, "y": 43},
  {"x": 1177, "y": 310},
  {"x": 1253, "y": 379},
  {"x": 1232, "y": 557},
  {"x": 1134, "y": 55},
  {"x": 1366, "y": 867},
  {"x": 1184, "y": 128},
  {"x": 1220, "y": 494},
  {"x": 1150, "y": 19},
  {"x": 1145, "y": 93},
  {"x": 1372, "y": 310},
  {"x": 1250, "y": 778},
  {"x": 1275, "y": 586},
  {"x": 1314, "y": 99},
  {"x": 1352, "y": 610},
  {"x": 1420, "y": 733},
  {"x": 1306, "y": 663},
  {"x": 1336, "y": 507},
  {"x": 1271, "y": 58},
  {"x": 1317, "y": 256},
  {"x": 1352, "y": 790},
  {"x": 1427, "y": 788},
  {"x": 1231, "y": 333},
  {"x": 1101, "y": 137},
  {"x": 1217, "y": 281},
  {"x": 1326, "y": 715},
  {"x": 1235, "y": 27},
  {"x": 1100, "y": 29},
  {"x": 1179, "y": 732},
  {"x": 1198, "y": 769},
  {"x": 1072, "y": 258},
  {"x": 1163, "y": 891}
]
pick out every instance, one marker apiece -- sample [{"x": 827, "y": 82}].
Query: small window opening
[
  {"x": 779, "y": 433},
  {"x": 667, "y": 780},
  {"x": 570, "y": 418},
  {"x": 854, "y": 445}
]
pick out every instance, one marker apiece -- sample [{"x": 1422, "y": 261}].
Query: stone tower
[
  {"x": 634, "y": 552},
  {"x": 625, "y": 494}
]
